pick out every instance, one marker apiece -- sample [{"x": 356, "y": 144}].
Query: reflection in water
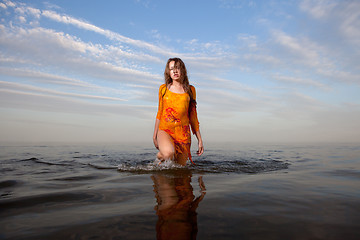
[{"x": 176, "y": 205}]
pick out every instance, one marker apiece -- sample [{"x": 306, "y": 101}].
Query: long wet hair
[{"x": 184, "y": 80}]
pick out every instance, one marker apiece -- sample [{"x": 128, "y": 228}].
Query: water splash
[
  {"x": 250, "y": 166},
  {"x": 149, "y": 166}
]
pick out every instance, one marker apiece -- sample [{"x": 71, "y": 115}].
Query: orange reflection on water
[{"x": 176, "y": 205}]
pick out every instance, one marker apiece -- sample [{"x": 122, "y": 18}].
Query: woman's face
[{"x": 175, "y": 72}]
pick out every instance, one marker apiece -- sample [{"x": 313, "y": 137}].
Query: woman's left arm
[
  {"x": 194, "y": 122},
  {"x": 200, "y": 150}
]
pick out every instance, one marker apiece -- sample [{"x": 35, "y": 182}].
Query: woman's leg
[
  {"x": 181, "y": 158},
  {"x": 166, "y": 146}
]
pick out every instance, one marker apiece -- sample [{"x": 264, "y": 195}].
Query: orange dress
[{"x": 176, "y": 119}]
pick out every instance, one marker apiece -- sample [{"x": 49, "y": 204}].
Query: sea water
[{"x": 235, "y": 191}]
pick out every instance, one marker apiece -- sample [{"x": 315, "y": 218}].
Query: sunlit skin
[{"x": 162, "y": 140}]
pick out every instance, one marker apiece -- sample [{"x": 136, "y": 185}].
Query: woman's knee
[
  {"x": 168, "y": 154},
  {"x": 166, "y": 145}
]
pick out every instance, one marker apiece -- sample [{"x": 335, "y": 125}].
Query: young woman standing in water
[{"x": 176, "y": 112}]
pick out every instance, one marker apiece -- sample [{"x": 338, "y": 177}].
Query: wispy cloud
[
  {"x": 25, "y": 88},
  {"x": 301, "y": 81},
  {"x": 50, "y": 48},
  {"x": 344, "y": 16},
  {"x": 47, "y": 78},
  {"x": 318, "y": 9},
  {"x": 60, "y": 102},
  {"x": 109, "y": 34}
]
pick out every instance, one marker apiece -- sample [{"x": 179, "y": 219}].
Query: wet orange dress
[{"x": 176, "y": 119}]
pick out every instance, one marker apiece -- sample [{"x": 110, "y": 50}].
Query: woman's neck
[
  {"x": 176, "y": 87},
  {"x": 176, "y": 84}
]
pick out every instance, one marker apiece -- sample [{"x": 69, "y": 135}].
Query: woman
[{"x": 177, "y": 110}]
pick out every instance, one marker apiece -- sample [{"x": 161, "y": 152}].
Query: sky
[{"x": 264, "y": 71}]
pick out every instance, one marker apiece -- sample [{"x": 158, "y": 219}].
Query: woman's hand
[
  {"x": 155, "y": 142},
  {"x": 200, "y": 150}
]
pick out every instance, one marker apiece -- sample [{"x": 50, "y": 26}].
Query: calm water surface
[{"x": 236, "y": 191}]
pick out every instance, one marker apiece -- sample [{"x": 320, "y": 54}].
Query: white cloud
[
  {"x": 340, "y": 76},
  {"x": 302, "y": 49},
  {"x": 56, "y": 103},
  {"x": 301, "y": 81},
  {"x": 35, "y": 12},
  {"x": 213, "y": 82},
  {"x": 268, "y": 60},
  {"x": 351, "y": 22},
  {"x": 318, "y": 8},
  {"x": 109, "y": 34},
  {"x": 298, "y": 54},
  {"x": 341, "y": 15},
  {"x": 204, "y": 48},
  {"x": 51, "y": 48},
  {"x": 24, "y": 89},
  {"x": 47, "y": 78},
  {"x": 221, "y": 102},
  {"x": 24, "y": 11},
  {"x": 9, "y": 3},
  {"x": 247, "y": 40},
  {"x": 2, "y": 5},
  {"x": 22, "y": 19},
  {"x": 90, "y": 27},
  {"x": 236, "y": 4},
  {"x": 145, "y": 3},
  {"x": 293, "y": 108}
]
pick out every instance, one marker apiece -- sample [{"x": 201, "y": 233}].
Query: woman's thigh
[{"x": 166, "y": 143}]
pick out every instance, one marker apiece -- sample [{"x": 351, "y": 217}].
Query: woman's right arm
[
  {"x": 156, "y": 129},
  {"x": 158, "y": 116}
]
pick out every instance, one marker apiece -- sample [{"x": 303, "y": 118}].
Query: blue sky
[{"x": 265, "y": 71}]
